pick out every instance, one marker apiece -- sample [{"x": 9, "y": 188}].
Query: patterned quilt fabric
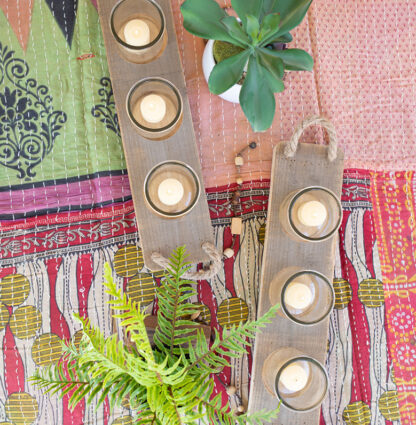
[
  {"x": 65, "y": 210},
  {"x": 50, "y": 270}
]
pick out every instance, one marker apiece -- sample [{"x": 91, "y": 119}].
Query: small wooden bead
[
  {"x": 239, "y": 180},
  {"x": 236, "y": 225},
  {"x": 229, "y": 252},
  {"x": 239, "y": 161},
  {"x": 241, "y": 409},
  {"x": 231, "y": 390}
]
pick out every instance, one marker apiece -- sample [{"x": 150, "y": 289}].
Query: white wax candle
[
  {"x": 153, "y": 108},
  {"x": 170, "y": 191},
  {"x": 137, "y": 33},
  {"x": 298, "y": 296},
  {"x": 294, "y": 377},
  {"x": 312, "y": 213}
]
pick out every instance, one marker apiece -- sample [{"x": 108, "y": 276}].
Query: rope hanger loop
[
  {"x": 292, "y": 144},
  {"x": 214, "y": 268}
]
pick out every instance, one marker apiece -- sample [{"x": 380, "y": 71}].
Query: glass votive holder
[
  {"x": 312, "y": 214},
  {"x": 172, "y": 189},
  {"x": 139, "y": 28},
  {"x": 306, "y": 296},
  {"x": 300, "y": 382},
  {"x": 154, "y": 105}
]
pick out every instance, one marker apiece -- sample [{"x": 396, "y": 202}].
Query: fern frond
[
  {"x": 221, "y": 414},
  {"x": 169, "y": 384},
  {"x": 54, "y": 379},
  {"x": 147, "y": 417},
  {"x": 166, "y": 410},
  {"x": 94, "y": 335},
  {"x": 233, "y": 343},
  {"x": 131, "y": 315},
  {"x": 105, "y": 365},
  {"x": 258, "y": 418},
  {"x": 174, "y": 328},
  {"x": 188, "y": 395}
]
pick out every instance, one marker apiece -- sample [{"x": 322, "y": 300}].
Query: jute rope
[
  {"x": 292, "y": 144},
  {"x": 214, "y": 268}
]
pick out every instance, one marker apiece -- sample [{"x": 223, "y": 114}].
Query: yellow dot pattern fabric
[
  {"x": 47, "y": 349},
  {"x": 262, "y": 233},
  {"x": 14, "y": 289},
  {"x": 160, "y": 274},
  {"x": 357, "y": 413},
  {"x": 389, "y": 405},
  {"x": 142, "y": 288},
  {"x": 205, "y": 315},
  {"x": 128, "y": 261},
  {"x": 124, "y": 420},
  {"x": 76, "y": 338},
  {"x": 4, "y": 317},
  {"x": 370, "y": 293},
  {"x": 343, "y": 293},
  {"x": 126, "y": 403},
  {"x": 232, "y": 312},
  {"x": 21, "y": 409},
  {"x": 25, "y": 322}
]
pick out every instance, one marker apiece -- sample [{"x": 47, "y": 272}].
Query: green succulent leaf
[
  {"x": 228, "y": 72},
  {"x": 256, "y": 98},
  {"x": 293, "y": 59},
  {"x": 292, "y": 13},
  {"x": 275, "y": 84},
  {"x": 284, "y": 38},
  {"x": 269, "y": 6},
  {"x": 271, "y": 62},
  {"x": 273, "y": 69},
  {"x": 253, "y": 27},
  {"x": 243, "y": 8},
  {"x": 269, "y": 26},
  {"x": 235, "y": 29},
  {"x": 204, "y": 20}
]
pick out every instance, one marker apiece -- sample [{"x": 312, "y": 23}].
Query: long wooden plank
[
  {"x": 309, "y": 167},
  {"x": 157, "y": 234}
]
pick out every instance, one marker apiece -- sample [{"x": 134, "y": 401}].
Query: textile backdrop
[{"x": 66, "y": 209}]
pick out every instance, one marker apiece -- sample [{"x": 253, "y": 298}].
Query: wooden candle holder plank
[
  {"x": 157, "y": 234},
  {"x": 309, "y": 167}
]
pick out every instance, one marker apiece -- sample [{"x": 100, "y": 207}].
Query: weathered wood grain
[
  {"x": 309, "y": 167},
  {"x": 157, "y": 234}
]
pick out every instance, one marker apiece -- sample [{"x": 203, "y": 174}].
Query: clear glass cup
[
  {"x": 299, "y": 381},
  {"x": 153, "y": 43},
  {"x": 141, "y": 102},
  {"x": 306, "y": 296},
  {"x": 312, "y": 214},
  {"x": 172, "y": 189}
]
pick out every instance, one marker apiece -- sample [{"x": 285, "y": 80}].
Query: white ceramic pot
[{"x": 208, "y": 63}]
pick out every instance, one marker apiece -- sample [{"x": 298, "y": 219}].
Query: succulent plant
[{"x": 261, "y": 23}]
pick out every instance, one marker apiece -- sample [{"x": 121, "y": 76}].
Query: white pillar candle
[
  {"x": 153, "y": 108},
  {"x": 170, "y": 191},
  {"x": 294, "y": 377},
  {"x": 137, "y": 33},
  {"x": 298, "y": 296},
  {"x": 312, "y": 213}
]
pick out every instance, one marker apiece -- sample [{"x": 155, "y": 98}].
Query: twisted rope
[
  {"x": 214, "y": 268},
  {"x": 292, "y": 144}
]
